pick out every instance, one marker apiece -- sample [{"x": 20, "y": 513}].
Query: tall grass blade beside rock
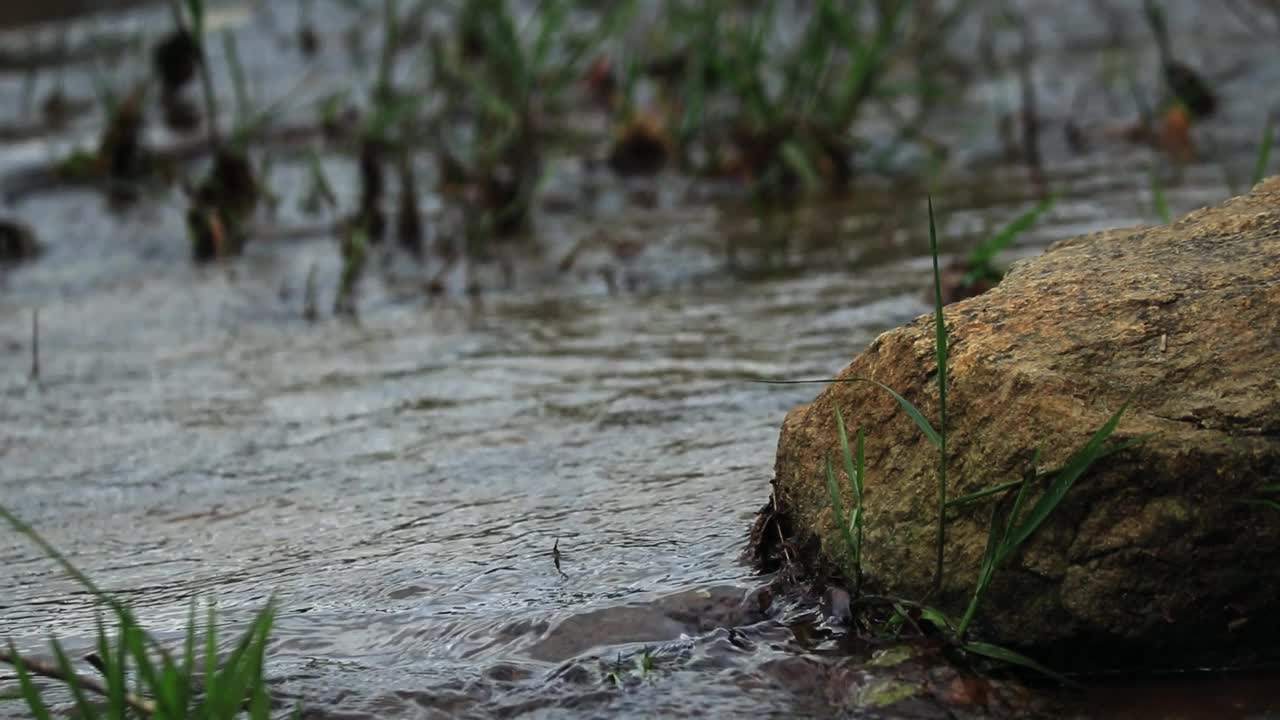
[{"x": 940, "y": 354}]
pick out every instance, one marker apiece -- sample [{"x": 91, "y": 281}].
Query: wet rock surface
[
  {"x": 686, "y": 613},
  {"x": 1152, "y": 560}
]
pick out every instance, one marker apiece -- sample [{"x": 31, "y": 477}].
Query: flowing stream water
[{"x": 397, "y": 484}]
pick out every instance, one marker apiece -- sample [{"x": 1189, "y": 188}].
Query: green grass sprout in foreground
[{"x": 169, "y": 687}]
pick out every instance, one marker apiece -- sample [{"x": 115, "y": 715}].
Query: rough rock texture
[{"x": 1151, "y": 560}]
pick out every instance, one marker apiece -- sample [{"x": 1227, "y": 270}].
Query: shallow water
[{"x": 398, "y": 484}]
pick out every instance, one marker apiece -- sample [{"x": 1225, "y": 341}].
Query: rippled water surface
[{"x": 398, "y": 484}]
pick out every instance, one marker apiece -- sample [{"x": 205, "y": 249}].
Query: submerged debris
[
  {"x": 959, "y": 281},
  {"x": 308, "y": 40},
  {"x": 175, "y": 59},
  {"x": 310, "y": 307},
  {"x": 121, "y": 154},
  {"x": 555, "y": 557},
  {"x": 408, "y": 218},
  {"x": 221, "y": 205},
  {"x": 17, "y": 242},
  {"x": 57, "y": 109},
  {"x": 785, "y": 157},
  {"x": 641, "y": 147},
  {"x": 600, "y": 83},
  {"x": 35, "y": 346},
  {"x": 369, "y": 217},
  {"x": 507, "y": 188},
  {"x": 1190, "y": 90},
  {"x": 354, "y": 249}
]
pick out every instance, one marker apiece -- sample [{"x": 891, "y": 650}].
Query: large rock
[{"x": 1152, "y": 559}]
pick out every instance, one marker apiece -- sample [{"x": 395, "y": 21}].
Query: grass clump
[
  {"x": 783, "y": 111},
  {"x": 854, "y": 467},
  {"x": 139, "y": 677}
]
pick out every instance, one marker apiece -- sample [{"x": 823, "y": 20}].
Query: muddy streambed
[{"x": 398, "y": 483}]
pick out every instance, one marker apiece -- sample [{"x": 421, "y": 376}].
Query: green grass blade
[
  {"x": 996, "y": 531},
  {"x": 117, "y": 679},
  {"x": 695, "y": 92},
  {"x": 30, "y": 693},
  {"x": 1261, "y": 501},
  {"x": 116, "y": 688},
  {"x": 940, "y": 325},
  {"x": 1158, "y": 201},
  {"x": 212, "y": 689},
  {"x": 860, "y": 459},
  {"x": 1107, "y": 451},
  {"x": 869, "y": 58},
  {"x": 1264, "y": 151},
  {"x": 552, "y": 15},
  {"x": 1004, "y": 655},
  {"x": 940, "y": 352},
  {"x": 986, "y": 253},
  {"x": 260, "y": 701},
  {"x": 1071, "y": 471},
  {"x": 238, "y": 674},
  {"x": 239, "y": 84},
  {"x": 24, "y": 529},
  {"x": 860, "y": 468},
  {"x": 134, "y": 643},
  {"x": 846, "y": 454},
  {"x": 799, "y": 163},
  {"x": 911, "y": 410},
  {"x": 853, "y": 469},
  {"x": 837, "y": 507},
  {"x": 243, "y": 670},
  {"x": 83, "y": 708},
  {"x": 102, "y": 644},
  {"x": 188, "y": 667},
  {"x": 121, "y": 610},
  {"x": 196, "y": 9},
  {"x": 1016, "y": 511},
  {"x": 980, "y": 494},
  {"x": 937, "y": 618}
]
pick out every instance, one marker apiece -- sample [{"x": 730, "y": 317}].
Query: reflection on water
[{"x": 398, "y": 484}]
